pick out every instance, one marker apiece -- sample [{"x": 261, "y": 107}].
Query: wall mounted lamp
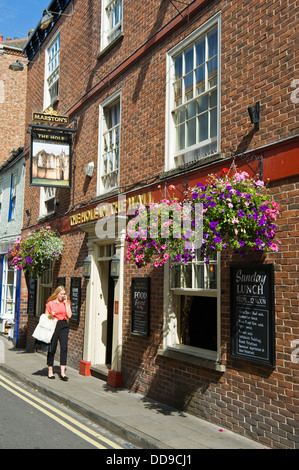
[
  {"x": 28, "y": 213},
  {"x": 48, "y": 17},
  {"x": 87, "y": 267},
  {"x": 254, "y": 113},
  {"x": 16, "y": 66},
  {"x": 114, "y": 268}
]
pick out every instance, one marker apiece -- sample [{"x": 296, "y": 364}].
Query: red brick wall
[
  {"x": 258, "y": 64},
  {"x": 12, "y": 104}
]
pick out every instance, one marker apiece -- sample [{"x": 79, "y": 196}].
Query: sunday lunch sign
[{"x": 252, "y": 313}]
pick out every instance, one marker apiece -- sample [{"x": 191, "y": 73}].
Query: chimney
[
  {"x": 8, "y": 39},
  {"x": 1, "y": 37}
]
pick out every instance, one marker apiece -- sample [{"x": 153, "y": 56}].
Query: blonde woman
[{"x": 58, "y": 306}]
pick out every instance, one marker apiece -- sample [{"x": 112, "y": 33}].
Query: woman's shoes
[{"x": 62, "y": 377}]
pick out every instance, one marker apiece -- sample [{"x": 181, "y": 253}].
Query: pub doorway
[{"x": 104, "y": 309}]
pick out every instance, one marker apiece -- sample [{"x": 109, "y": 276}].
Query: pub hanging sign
[
  {"x": 252, "y": 313},
  {"x": 50, "y": 158}
]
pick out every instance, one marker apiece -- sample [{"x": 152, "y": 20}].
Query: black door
[{"x": 110, "y": 320}]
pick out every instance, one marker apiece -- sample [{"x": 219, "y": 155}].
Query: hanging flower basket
[
  {"x": 238, "y": 213},
  {"x": 229, "y": 212},
  {"x": 34, "y": 253}
]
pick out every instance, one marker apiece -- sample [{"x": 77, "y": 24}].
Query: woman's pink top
[{"x": 57, "y": 309}]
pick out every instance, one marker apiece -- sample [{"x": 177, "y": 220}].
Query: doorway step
[{"x": 100, "y": 371}]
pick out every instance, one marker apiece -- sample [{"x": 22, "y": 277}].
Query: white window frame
[
  {"x": 48, "y": 101},
  {"x": 13, "y": 196},
  {"x": 12, "y": 287},
  {"x": 110, "y": 30},
  {"x": 1, "y": 196},
  {"x": 47, "y": 194},
  {"x": 210, "y": 146},
  {"x": 172, "y": 313},
  {"x": 102, "y": 151}
]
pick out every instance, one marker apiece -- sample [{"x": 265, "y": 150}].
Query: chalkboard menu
[
  {"x": 75, "y": 297},
  {"x": 31, "y": 286},
  {"x": 140, "y": 306},
  {"x": 252, "y": 313}
]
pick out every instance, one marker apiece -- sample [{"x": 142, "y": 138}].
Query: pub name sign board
[
  {"x": 252, "y": 313},
  {"x": 50, "y": 118}
]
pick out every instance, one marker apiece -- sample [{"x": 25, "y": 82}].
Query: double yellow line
[{"x": 23, "y": 394}]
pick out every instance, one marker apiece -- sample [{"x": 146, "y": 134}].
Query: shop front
[{"x": 10, "y": 299}]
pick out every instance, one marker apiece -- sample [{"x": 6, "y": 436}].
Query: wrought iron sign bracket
[
  {"x": 253, "y": 161},
  {"x": 66, "y": 130}
]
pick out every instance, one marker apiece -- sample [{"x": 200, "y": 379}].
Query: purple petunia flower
[{"x": 214, "y": 224}]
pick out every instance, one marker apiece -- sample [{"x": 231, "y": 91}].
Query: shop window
[
  {"x": 193, "y": 310},
  {"x": 112, "y": 19},
  {"x": 109, "y": 144},
  {"x": 9, "y": 284},
  {"x": 198, "y": 322},
  {"x": 193, "y": 101},
  {"x": 52, "y": 72}
]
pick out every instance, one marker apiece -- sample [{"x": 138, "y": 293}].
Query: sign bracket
[{"x": 66, "y": 130}]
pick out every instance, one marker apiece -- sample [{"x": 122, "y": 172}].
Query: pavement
[{"x": 140, "y": 420}]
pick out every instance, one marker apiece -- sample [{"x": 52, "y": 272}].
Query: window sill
[
  {"x": 45, "y": 217},
  {"x": 106, "y": 195},
  {"x": 194, "y": 291},
  {"x": 181, "y": 355},
  {"x": 193, "y": 165},
  {"x": 110, "y": 46},
  {"x": 51, "y": 107}
]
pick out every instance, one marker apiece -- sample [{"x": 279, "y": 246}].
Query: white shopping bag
[{"x": 45, "y": 329}]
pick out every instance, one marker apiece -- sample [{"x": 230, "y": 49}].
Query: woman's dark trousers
[{"x": 61, "y": 333}]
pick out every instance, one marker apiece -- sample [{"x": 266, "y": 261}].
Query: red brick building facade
[
  {"x": 12, "y": 97},
  {"x": 126, "y": 71}
]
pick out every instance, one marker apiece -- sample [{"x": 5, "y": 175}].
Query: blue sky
[{"x": 17, "y": 17}]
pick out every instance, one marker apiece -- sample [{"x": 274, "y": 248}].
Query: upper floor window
[
  {"x": 13, "y": 196},
  {"x": 193, "y": 102},
  {"x": 112, "y": 15},
  {"x": 52, "y": 72},
  {"x": 47, "y": 201},
  {"x": 109, "y": 144}
]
